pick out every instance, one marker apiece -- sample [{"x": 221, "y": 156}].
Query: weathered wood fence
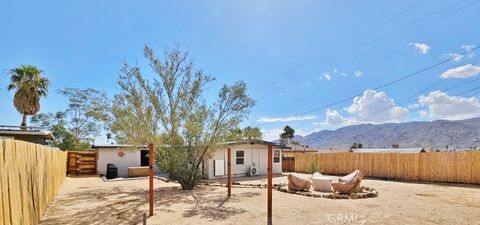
[
  {"x": 456, "y": 167},
  {"x": 30, "y": 176},
  {"x": 82, "y": 162},
  {"x": 288, "y": 164}
]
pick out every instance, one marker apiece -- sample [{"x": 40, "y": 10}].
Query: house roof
[
  {"x": 253, "y": 142},
  {"x": 388, "y": 150},
  {"x": 27, "y": 131},
  {"x": 103, "y": 146},
  {"x": 241, "y": 142}
]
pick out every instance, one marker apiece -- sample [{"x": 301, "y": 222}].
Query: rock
[
  {"x": 353, "y": 196},
  {"x": 331, "y": 196},
  {"x": 316, "y": 195}
]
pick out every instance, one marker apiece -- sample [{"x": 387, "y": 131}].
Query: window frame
[
  {"x": 237, "y": 157},
  {"x": 276, "y": 156}
]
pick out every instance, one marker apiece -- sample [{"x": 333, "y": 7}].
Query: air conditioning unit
[{"x": 253, "y": 171}]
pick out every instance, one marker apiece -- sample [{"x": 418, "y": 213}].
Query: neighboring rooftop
[
  {"x": 299, "y": 148},
  {"x": 29, "y": 134},
  {"x": 18, "y": 130},
  {"x": 99, "y": 146}
]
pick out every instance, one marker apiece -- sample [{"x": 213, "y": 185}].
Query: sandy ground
[{"x": 89, "y": 200}]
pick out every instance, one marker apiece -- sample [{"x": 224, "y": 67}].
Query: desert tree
[
  {"x": 29, "y": 86},
  {"x": 252, "y": 133},
  {"x": 247, "y": 133},
  {"x": 170, "y": 111},
  {"x": 76, "y": 127},
  {"x": 288, "y": 132}
]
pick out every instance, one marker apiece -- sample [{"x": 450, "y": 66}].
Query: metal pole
[
  {"x": 229, "y": 179},
  {"x": 150, "y": 163},
  {"x": 269, "y": 188}
]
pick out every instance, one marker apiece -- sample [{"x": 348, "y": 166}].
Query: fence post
[
  {"x": 229, "y": 179},
  {"x": 269, "y": 186},
  {"x": 150, "y": 162}
]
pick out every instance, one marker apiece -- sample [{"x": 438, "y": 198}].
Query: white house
[
  {"x": 249, "y": 157},
  {"x": 122, "y": 156}
]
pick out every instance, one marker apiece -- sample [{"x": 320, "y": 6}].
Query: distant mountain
[{"x": 436, "y": 134}]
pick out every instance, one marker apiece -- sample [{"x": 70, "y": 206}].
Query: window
[
  {"x": 240, "y": 157},
  {"x": 276, "y": 156}
]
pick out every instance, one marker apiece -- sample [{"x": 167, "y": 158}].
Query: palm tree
[
  {"x": 288, "y": 132},
  {"x": 29, "y": 86}
]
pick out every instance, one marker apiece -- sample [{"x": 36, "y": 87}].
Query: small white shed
[
  {"x": 122, "y": 156},
  {"x": 249, "y": 157}
]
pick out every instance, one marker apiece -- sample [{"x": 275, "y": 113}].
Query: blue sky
[{"x": 295, "y": 56}]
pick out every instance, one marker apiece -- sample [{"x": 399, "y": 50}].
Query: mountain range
[{"x": 458, "y": 134}]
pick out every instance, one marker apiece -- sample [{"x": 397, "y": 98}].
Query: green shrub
[{"x": 313, "y": 167}]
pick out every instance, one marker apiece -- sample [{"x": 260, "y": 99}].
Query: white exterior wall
[
  {"x": 254, "y": 154},
  {"x": 110, "y": 155}
]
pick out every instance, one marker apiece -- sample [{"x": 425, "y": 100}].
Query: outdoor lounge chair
[
  {"x": 349, "y": 183},
  {"x": 317, "y": 174},
  {"x": 321, "y": 182},
  {"x": 297, "y": 184}
]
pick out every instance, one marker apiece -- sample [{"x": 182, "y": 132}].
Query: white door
[
  {"x": 219, "y": 167},
  {"x": 263, "y": 164}
]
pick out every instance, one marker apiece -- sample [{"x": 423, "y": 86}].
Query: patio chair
[
  {"x": 356, "y": 173},
  {"x": 298, "y": 184},
  {"x": 349, "y": 183}
]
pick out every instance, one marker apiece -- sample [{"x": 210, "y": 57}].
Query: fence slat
[
  {"x": 30, "y": 176},
  {"x": 456, "y": 167}
]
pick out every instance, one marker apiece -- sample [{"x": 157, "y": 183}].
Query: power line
[
  {"x": 418, "y": 27},
  {"x": 426, "y": 18},
  {"x": 5, "y": 93},
  {"x": 383, "y": 85},
  {"x": 408, "y": 100}
]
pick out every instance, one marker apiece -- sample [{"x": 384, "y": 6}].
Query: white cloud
[
  {"x": 358, "y": 73},
  {"x": 271, "y": 134},
  {"x": 469, "y": 49},
  {"x": 371, "y": 107},
  {"x": 368, "y": 105},
  {"x": 327, "y": 76},
  {"x": 442, "y": 106},
  {"x": 414, "y": 106},
  {"x": 461, "y": 72},
  {"x": 285, "y": 119},
  {"x": 423, "y": 114},
  {"x": 455, "y": 56},
  {"x": 333, "y": 117},
  {"x": 422, "y": 48},
  {"x": 308, "y": 83}
]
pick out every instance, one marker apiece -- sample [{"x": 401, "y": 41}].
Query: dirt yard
[{"x": 90, "y": 200}]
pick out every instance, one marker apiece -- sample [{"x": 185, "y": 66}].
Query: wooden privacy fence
[
  {"x": 456, "y": 167},
  {"x": 82, "y": 162},
  {"x": 288, "y": 164},
  {"x": 30, "y": 176}
]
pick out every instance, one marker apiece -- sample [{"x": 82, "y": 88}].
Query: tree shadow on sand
[
  {"x": 213, "y": 206},
  {"x": 116, "y": 206}
]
